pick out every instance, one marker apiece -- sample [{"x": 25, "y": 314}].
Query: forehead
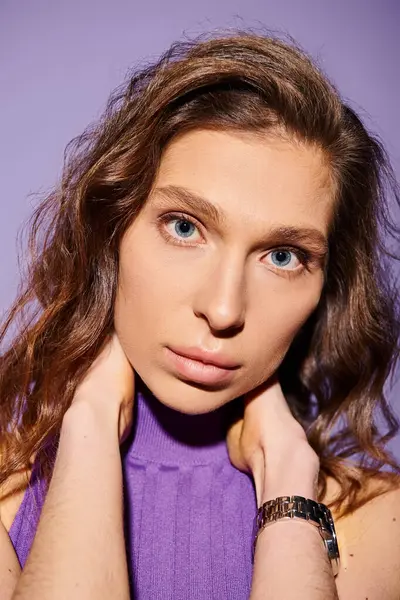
[{"x": 250, "y": 178}]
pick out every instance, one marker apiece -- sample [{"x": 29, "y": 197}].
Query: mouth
[{"x": 201, "y": 367}]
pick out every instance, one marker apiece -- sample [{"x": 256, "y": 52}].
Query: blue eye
[
  {"x": 184, "y": 228},
  {"x": 282, "y": 258},
  {"x": 180, "y": 229}
]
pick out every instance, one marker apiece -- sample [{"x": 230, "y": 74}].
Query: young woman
[{"x": 208, "y": 299}]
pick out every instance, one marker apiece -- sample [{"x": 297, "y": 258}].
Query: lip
[
  {"x": 200, "y": 366},
  {"x": 206, "y": 356}
]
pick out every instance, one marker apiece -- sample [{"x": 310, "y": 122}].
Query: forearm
[
  {"x": 79, "y": 549},
  {"x": 290, "y": 561}
]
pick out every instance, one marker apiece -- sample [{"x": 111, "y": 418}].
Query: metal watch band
[{"x": 304, "y": 509}]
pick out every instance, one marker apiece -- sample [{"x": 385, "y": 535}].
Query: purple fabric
[{"x": 188, "y": 511}]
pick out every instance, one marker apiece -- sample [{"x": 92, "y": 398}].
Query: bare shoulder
[
  {"x": 11, "y": 496},
  {"x": 369, "y": 545},
  {"x": 10, "y": 569}
]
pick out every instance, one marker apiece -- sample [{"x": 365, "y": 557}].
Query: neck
[{"x": 163, "y": 434}]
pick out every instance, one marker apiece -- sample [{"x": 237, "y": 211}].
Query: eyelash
[{"x": 302, "y": 254}]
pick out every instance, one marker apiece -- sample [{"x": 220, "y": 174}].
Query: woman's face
[{"x": 224, "y": 263}]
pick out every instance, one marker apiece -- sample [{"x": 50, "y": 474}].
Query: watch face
[
  {"x": 332, "y": 548},
  {"x": 330, "y": 540}
]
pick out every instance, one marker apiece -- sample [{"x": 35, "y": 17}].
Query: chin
[{"x": 186, "y": 397}]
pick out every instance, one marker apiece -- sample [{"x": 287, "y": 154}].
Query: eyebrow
[{"x": 184, "y": 199}]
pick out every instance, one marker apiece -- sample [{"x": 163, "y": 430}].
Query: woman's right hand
[{"x": 109, "y": 387}]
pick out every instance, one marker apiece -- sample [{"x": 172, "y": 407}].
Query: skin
[
  {"x": 223, "y": 287},
  {"x": 74, "y": 556}
]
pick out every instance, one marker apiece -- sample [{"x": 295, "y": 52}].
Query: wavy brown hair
[{"x": 336, "y": 368}]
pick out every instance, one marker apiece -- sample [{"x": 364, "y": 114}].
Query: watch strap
[{"x": 304, "y": 509}]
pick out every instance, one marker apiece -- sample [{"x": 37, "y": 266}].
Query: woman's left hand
[{"x": 271, "y": 444}]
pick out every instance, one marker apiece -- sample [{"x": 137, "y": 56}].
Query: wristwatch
[{"x": 300, "y": 508}]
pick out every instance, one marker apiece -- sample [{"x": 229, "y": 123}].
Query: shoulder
[
  {"x": 369, "y": 544},
  {"x": 11, "y": 496}
]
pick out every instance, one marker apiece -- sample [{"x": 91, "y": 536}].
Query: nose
[{"x": 221, "y": 298}]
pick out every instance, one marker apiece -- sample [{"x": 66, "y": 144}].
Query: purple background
[{"x": 60, "y": 59}]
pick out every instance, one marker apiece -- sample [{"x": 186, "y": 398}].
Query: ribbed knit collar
[{"x": 166, "y": 436}]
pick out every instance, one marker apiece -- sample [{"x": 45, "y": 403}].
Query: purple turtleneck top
[{"x": 188, "y": 512}]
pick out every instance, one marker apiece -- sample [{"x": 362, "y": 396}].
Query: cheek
[
  {"x": 275, "y": 325},
  {"x": 148, "y": 295},
  {"x": 149, "y": 287},
  {"x": 139, "y": 295}
]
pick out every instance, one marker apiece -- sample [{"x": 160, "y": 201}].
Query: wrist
[
  {"x": 289, "y": 487},
  {"x": 297, "y": 475},
  {"x": 84, "y": 417}
]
